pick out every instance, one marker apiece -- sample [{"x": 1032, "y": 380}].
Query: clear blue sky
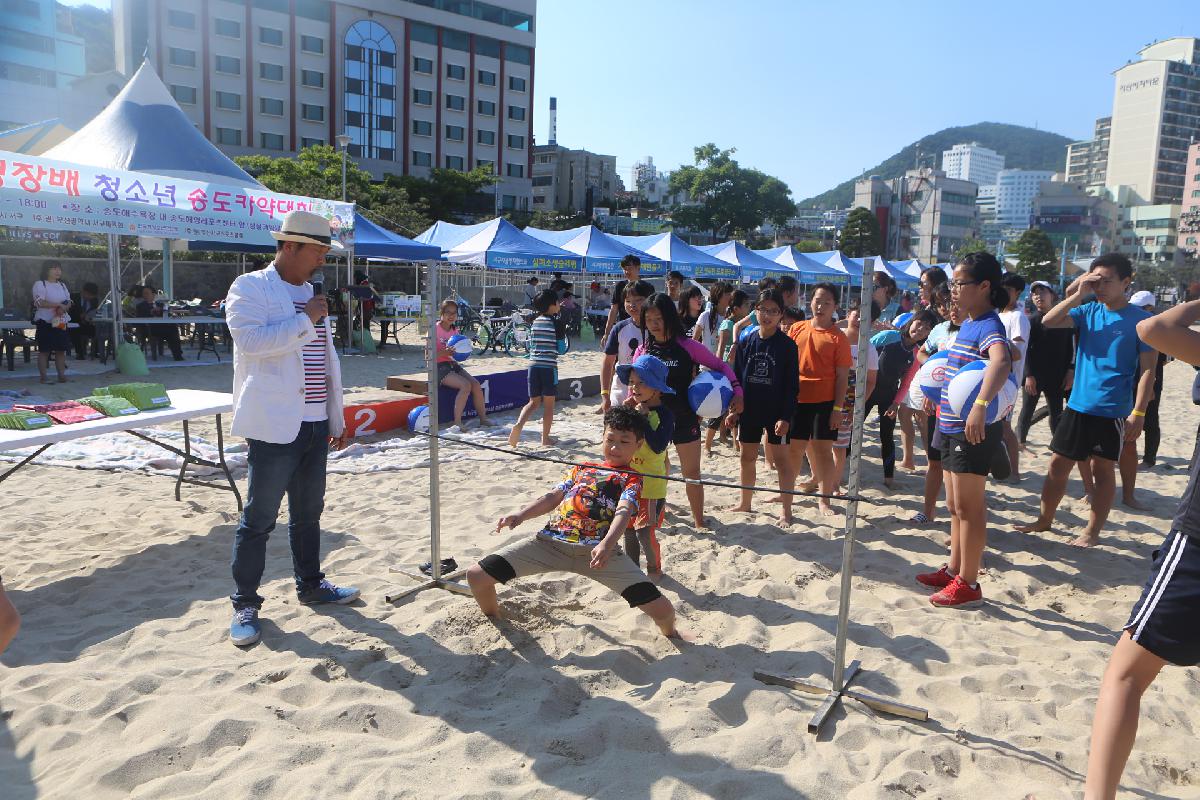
[{"x": 815, "y": 92}]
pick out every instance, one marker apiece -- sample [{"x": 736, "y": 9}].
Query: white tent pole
[
  {"x": 168, "y": 267},
  {"x": 114, "y": 278}
]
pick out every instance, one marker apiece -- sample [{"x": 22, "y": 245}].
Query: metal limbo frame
[
  {"x": 435, "y": 578},
  {"x": 842, "y": 674}
]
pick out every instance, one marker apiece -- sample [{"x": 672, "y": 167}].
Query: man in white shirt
[
  {"x": 287, "y": 403},
  {"x": 1016, "y": 326}
]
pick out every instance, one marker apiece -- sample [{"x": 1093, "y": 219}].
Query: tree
[
  {"x": 1036, "y": 257},
  {"x": 725, "y": 197},
  {"x": 808, "y": 246},
  {"x": 860, "y": 235},
  {"x": 972, "y": 245},
  {"x": 315, "y": 171},
  {"x": 554, "y": 221},
  {"x": 448, "y": 194}
]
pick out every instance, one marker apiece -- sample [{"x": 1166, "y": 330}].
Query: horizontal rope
[{"x": 689, "y": 481}]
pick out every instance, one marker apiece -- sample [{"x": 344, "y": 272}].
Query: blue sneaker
[
  {"x": 245, "y": 629},
  {"x": 326, "y": 592}
]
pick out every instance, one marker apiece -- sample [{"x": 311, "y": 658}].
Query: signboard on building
[{"x": 1057, "y": 219}]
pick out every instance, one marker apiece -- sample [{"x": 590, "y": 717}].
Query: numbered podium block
[
  {"x": 502, "y": 391},
  {"x": 368, "y": 419}
]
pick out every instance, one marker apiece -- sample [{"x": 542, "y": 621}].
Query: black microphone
[{"x": 318, "y": 284}]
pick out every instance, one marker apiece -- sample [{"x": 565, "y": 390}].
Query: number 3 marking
[{"x": 576, "y": 390}]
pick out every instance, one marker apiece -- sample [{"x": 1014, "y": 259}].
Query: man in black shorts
[
  {"x": 1163, "y": 627},
  {"x": 1102, "y": 412}
]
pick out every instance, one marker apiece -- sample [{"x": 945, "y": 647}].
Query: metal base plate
[{"x": 834, "y": 695}]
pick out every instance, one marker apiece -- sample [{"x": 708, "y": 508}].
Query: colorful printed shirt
[
  {"x": 972, "y": 342},
  {"x": 591, "y": 494}
]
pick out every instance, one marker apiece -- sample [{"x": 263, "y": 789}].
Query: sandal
[
  {"x": 448, "y": 565},
  {"x": 919, "y": 518}
]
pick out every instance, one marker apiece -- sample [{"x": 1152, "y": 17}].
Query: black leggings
[
  {"x": 1152, "y": 433},
  {"x": 887, "y": 432},
  {"x": 1054, "y": 403}
]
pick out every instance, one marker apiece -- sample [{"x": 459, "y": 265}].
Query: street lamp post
[{"x": 343, "y": 140}]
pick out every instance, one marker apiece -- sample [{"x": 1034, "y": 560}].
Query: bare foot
[
  {"x": 679, "y": 636},
  {"x": 909, "y": 467},
  {"x": 740, "y": 508},
  {"x": 655, "y": 577},
  {"x": 1086, "y": 541},
  {"x": 775, "y": 498},
  {"x": 549, "y": 441},
  {"x": 1033, "y": 527},
  {"x": 786, "y": 520},
  {"x": 826, "y": 509},
  {"x": 889, "y": 483},
  {"x": 45, "y": 380},
  {"x": 63, "y": 379},
  {"x": 807, "y": 486},
  {"x": 1133, "y": 503},
  {"x": 514, "y": 437},
  {"x": 1085, "y": 499}
]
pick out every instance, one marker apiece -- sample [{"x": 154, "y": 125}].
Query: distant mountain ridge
[{"x": 1022, "y": 148}]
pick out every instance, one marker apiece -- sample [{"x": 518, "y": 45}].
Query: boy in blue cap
[{"x": 646, "y": 378}]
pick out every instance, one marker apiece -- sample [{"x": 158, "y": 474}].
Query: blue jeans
[{"x": 296, "y": 469}]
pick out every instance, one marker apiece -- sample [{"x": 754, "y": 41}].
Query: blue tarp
[
  {"x": 808, "y": 270},
  {"x": 601, "y": 253},
  {"x": 681, "y": 256},
  {"x": 372, "y": 241},
  {"x": 750, "y": 265},
  {"x": 498, "y": 244}
]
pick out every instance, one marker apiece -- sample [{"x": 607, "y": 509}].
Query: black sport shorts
[
  {"x": 751, "y": 429},
  {"x": 1080, "y": 436},
  {"x": 811, "y": 421},
  {"x": 1164, "y": 619},
  {"x": 959, "y": 455}
]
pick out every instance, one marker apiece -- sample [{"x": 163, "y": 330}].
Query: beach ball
[
  {"x": 902, "y": 319},
  {"x": 461, "y": 346},
  {"x": 418, "y": 419},
  {"x": 747, "y": 332},
  {"x": 964, "y": 388},
  {"x": 931, "y": 377},
  {"x": 709, "y": 394}
]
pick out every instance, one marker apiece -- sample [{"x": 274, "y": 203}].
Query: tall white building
[
  {"x": 1015, "y": 191},
  {"x": 415, "y": 84},
  {"x": 1156, "y": 111},
  {"x": 972, "y": 162}
]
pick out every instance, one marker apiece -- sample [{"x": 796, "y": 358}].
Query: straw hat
[{"x": 307, "y": 228}]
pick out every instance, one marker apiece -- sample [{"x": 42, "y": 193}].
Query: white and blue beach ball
[
  {"x": 931, "y": 377},
  {"x": 747, "y": 332},
  {"x": 461, "y": 346},
  {"x": 964, "y": 388},
  {"x": 418, "y": 419},
  {"x": 709, "y": 394},
  {"x": 902, "y": 319}
]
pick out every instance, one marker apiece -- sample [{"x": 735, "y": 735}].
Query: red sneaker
[
  {"x": 938, "y": 580},
  {"x": 958, "y": 594}
]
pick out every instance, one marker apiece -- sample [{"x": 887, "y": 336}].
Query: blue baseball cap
[{"x": 650, "y": 369}]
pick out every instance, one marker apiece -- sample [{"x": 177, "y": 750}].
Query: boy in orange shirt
[{"x": 825, "y": 363}]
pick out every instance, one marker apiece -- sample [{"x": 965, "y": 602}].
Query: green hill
[{"x": 1022, "y": 148}]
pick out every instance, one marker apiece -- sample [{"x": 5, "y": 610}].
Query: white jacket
[{"x": 268, "y": 369}]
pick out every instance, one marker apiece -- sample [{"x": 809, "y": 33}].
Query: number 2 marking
[{"x": 365, "y": 417}]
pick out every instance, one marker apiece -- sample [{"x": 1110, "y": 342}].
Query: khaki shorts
[{"x": 543, "y": 554}]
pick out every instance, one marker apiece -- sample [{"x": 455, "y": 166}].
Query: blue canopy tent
[
  {"x": 498, "y": 244},
  {"x": 750, "y": 265},
  {"x": 902, "y": 278},
  {"x": 372, "y": 241},
  {"x": 690, "y": 261},
  {"x": 912, "y": 267},
  {"x": 601, "y": 253},
  {"x": 834, "y": 260},
  {"x": 809, "y": 269}
]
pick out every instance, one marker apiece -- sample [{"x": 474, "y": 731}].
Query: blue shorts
[
  {"x": 1164, "y": 619},
  {"x": 543, "y": 381}
]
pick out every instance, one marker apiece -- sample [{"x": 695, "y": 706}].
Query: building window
[
  {"x": 456, "y": 102},
  {"x": 456, "y": 72},
  {"x": 370, "y": 89},
  {"x": 181, "y": 19},
  {"x": 517, "y": 113},
  {"x": 271, "y": 141},
  {"x": 422, "y": 127},
  {"x": 178, "y": 57},
  {"x": 422, "y": 159},
  {"x": 420, "y": 32},
  {"x": 485, "y": 137},
  {"x": 539, "y": 199},
  {"x": 486, "y": 78},
  {"x": 422, "y": 65},
  {"x": 312, "y": 113},
  {"x": 229, "y": 136},
  {"x": 456, "y": 40},
  {"x": 422, "y": 97},
  {"x": 454, "y": 133},
  {"x": 516, "y": 142},
  {"x": 184, "y": 95},
  {"x": 270, "y": 72},
  {"x": 487, "y": 47},
  {"x": 314, "y": 79},
  {"x": 508, "y": 201},
  {"x": 270, "y": 106},
  {"x": 543, "y": 180},
  {"x": 230, "y": 101},
  {"x": 518, "y": 54},
  {"x": 516, "y": 84},
  {"x": 229, "y": 65},
  {"x": 490, "y": 166},
  {"x": 486, "y": 107},
  {"x": 307, "y": 141},
  {"x": 514, "y": 170},
  {"x": 312, "y": 44},
  {"x": 271, "y": 36},
  {"x": 229, "y": 28},
  {"x": 454, "y": 162}
]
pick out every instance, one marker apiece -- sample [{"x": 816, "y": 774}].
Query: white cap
[
  {"x": 1142, "y": 299},
  {"x": 1042, "y": 284},
  {"x": 307, "y": 228}
]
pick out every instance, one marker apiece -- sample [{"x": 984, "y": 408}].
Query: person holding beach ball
[{"x": 287, "y": 403}]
